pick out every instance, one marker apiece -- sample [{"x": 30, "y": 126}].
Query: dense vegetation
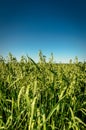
[{"x": 42, "y": 96}]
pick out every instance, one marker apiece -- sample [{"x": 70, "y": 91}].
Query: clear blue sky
[{"x": 57, "y": 26}]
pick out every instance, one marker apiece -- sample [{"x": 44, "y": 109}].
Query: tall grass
[{"x": 42, "y": 96}]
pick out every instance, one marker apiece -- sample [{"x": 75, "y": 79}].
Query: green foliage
[{"x": 42, "y": 96}]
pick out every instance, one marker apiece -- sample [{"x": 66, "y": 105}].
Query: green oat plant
[{"x": 43, "y": 95}]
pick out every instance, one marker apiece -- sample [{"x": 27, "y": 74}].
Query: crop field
[{"x": 43, "y": 95}]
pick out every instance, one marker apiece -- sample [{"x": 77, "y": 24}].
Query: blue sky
[{"x": 57, "y": 26}]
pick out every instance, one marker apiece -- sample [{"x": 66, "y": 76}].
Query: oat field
[{"x": 43, "y": 95}]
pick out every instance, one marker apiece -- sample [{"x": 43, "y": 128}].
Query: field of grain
[{"x": 43, "y": 95}]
